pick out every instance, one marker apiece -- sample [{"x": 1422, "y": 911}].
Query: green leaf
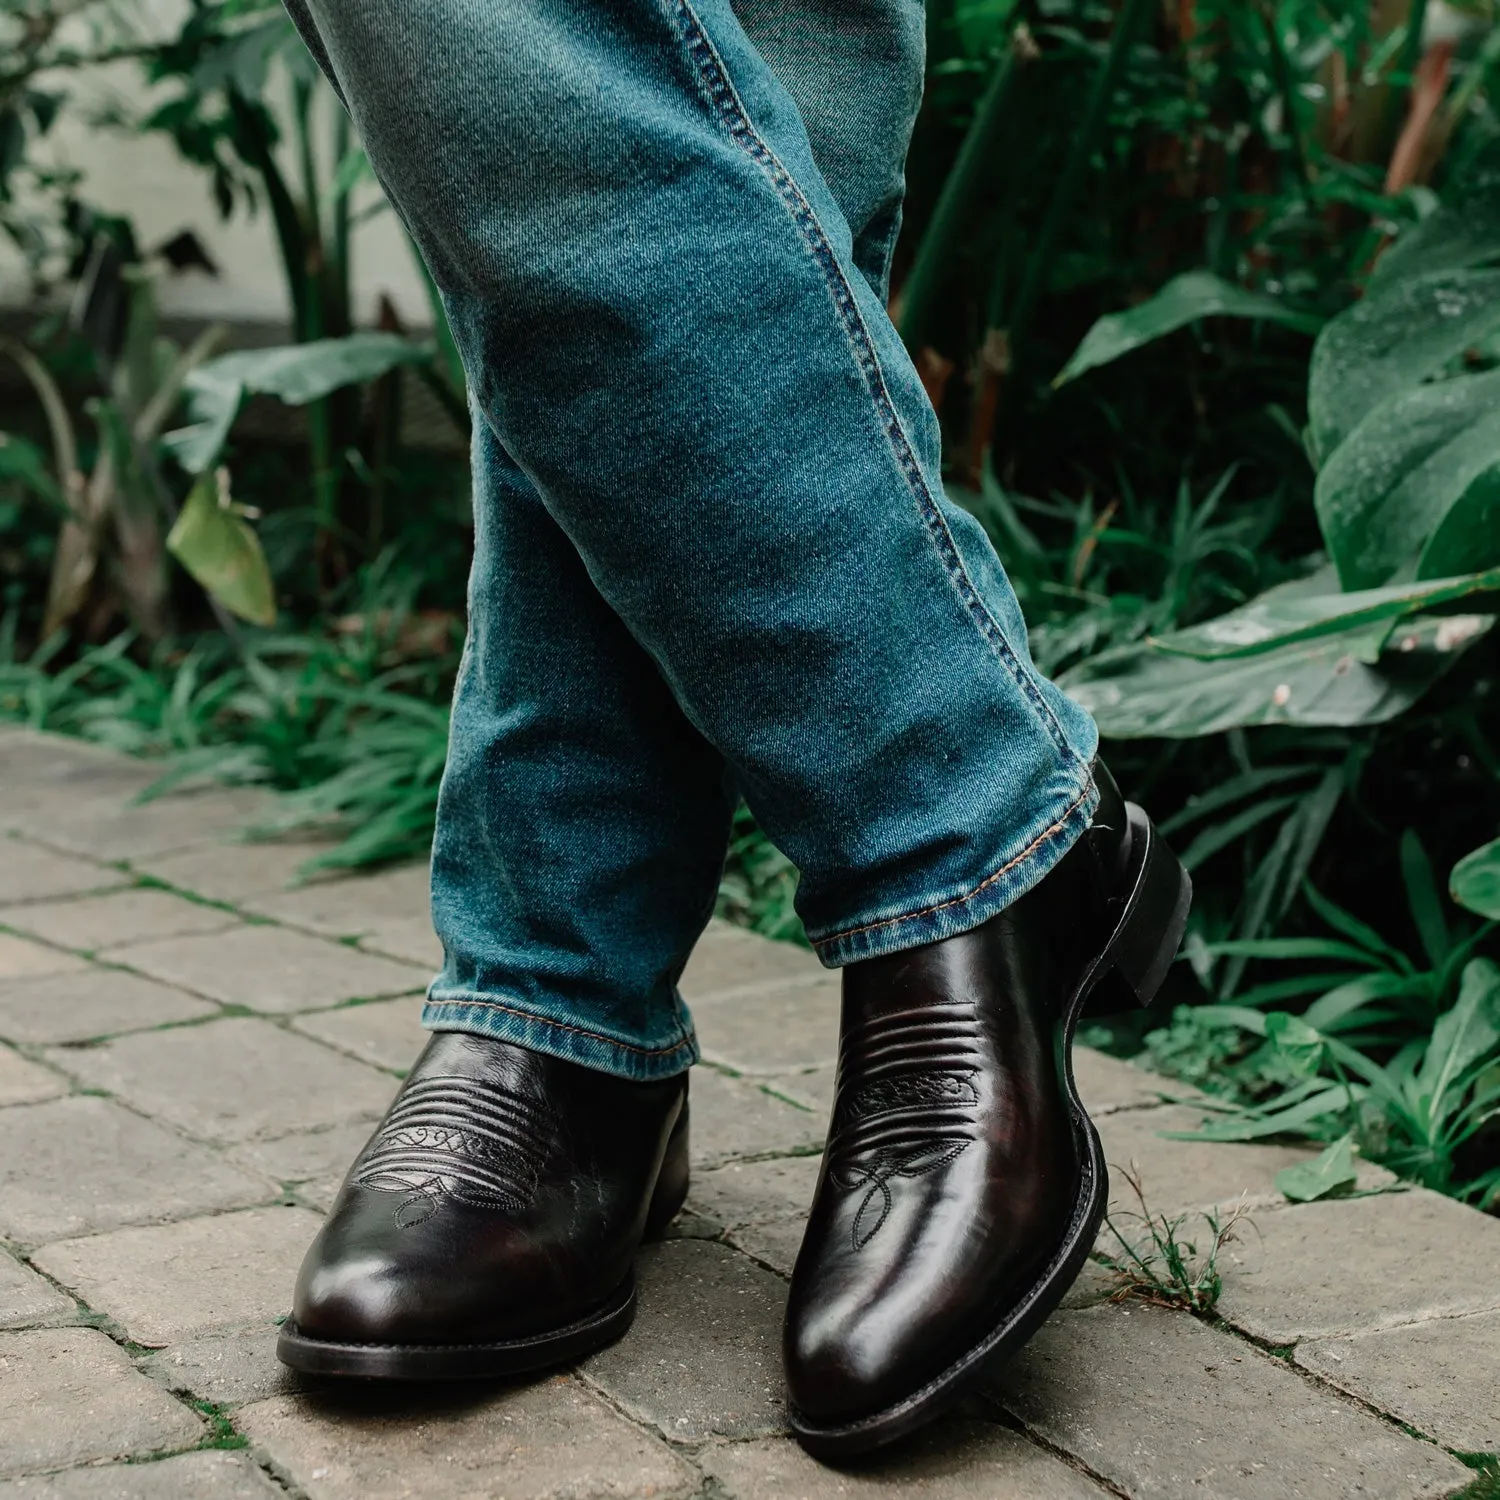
[
  {"x": 1475, "y": 881},
  {"x": 1464, "y": 232},
  {"x": 1250, "y": 1125},
  {"x": 24, "y": 461},
  {"x": 1143, "y": 691},
  {"x": 1297, "y": 1043},
  {"x": 295, "y": 374},
  {"x": 1392, "y": 341},
  {"x": 1183, "y": 300},
  {"x": 1422, "y": 896},
  {"x": 217, "y": 546},
  {"x": 1464, "y": 1036},
  {"x": 1324, "y": 1176},
  {"x": 1416, "y": 482},
  {"x": 1280, "y": 616}
]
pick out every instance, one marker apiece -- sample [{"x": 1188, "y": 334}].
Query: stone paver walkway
[{"x": 191, "y": 1051}]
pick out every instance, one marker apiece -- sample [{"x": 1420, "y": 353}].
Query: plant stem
[
  {"x": 956, "y": 201},
  {"x": 1133, "y": 14}
]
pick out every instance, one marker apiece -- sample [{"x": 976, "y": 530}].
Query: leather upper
[
  {"x": 504, "y": 1193},
  {"x": 951, "y": 1168}
]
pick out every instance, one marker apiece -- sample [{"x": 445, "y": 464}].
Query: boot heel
[
  {"x": 671, "y": 1182},
  {"x": 1156, "y": 911}
]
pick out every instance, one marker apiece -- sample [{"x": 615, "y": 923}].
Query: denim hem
[
  {"x": 505, "y": 1021},
  {"x": 946, "y": 917}
]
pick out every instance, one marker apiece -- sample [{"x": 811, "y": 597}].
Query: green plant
[
  {"x": 111, "y": 550},
  {"x": 1156, "y": 1262}
]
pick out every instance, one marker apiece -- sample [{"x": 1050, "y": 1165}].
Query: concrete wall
[{"x": 145, "y": 180}]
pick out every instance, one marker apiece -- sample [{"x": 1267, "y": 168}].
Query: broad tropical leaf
[
  {"x": 1417, "y": 482},
  {"x": 1463, "y": 233},
  {"x": 1391, "y": 342},
  {"x": 1281, "y": 616},
  {"x": 1183, "y": 300},
  {"x": 1345, "y": 679},
  {"x": 1475, "y": 881},
  {"x": 216, "y": 545},
  {"x": 295, "y": 374}
]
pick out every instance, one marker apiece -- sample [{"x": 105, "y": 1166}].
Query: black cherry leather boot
[
  {"x": 490, "y": 1225},
  {"x": 963, "y": 1183}
]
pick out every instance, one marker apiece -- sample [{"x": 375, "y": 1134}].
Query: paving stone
[
  {"x": 728, "y": 960},
  {"x": 762, "y": 1205},
  {"x": 1181, "y": 1175},
  {"x": 408, "y": 938},
  {"x": 27, "y": 1298},
  {"x": 1443, "y": 1377},
  {"x": 306, "y": 1155},
  {"x": 168, "y": 1282},
  {"x": 388, "y": 1033},
  {"x": 209, "y": 1475},
  {"x": 355, "y": 906},
  {"x": 772, "y": 1030},
  {"x": 732, "y": 1117},
  {"x": 135, "y": 915},
  {"x": 29, "y": 872},
  {"x": 549, "y": 1440},
  {"x": 232, "y": 1079},
  {"x": 813, "y": 1088},
  {"x": 1164, "y": 1407},
  {"x": 1107, "y": 1084},
  {"x": 232, "y": 872},
  {"x": 70, "y": 1396},
  {"x": 272, "y": 969},
  {"x": 227, "y": 1367},
  {"x": 108, "y": 826},
  {"x": 92, "y": 1002},
  {"x": 1331, "y": 1268},
  {"x": 957, "y": 1460},
  {"x": 80, "y": 1165},
  {"x": 20, "y": 958},
  {"x": 24, "y": 1082},
  {"x": 703, "y": 1358}
]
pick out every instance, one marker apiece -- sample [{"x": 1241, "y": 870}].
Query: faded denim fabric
[{"x": 713, "y": 553}]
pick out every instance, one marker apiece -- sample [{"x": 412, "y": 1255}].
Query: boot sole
[
  {"x": 428, "y": 1363},
  {"x": 1138, "y": 952}
]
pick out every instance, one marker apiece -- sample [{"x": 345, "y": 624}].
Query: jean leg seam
[{"x": 723, "y": 100}]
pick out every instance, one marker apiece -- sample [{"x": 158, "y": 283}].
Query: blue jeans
[{"x": 713, "y": 556}]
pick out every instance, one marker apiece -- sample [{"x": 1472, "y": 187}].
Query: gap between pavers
[
  {"x": 1318, "y": 1270},
  {"x": 29, "y": 872},
  {"x": 70, "y": 1396},
  {"x": 207, "y": 1475},
  {"x": 1440, "y": 1377},
  {"x": 92, "y": 1003},
  {"x": 1162, "y": 1406},
  {"x": 116, "y": 919},
  {"x": 232, "y": 1079},
  {"x": 25, "y": 1082},
  {"x": 272, "y": 969},
  {"x": 166, "y": 1283},
  {"x": 28, "y": 1300},
  {"x": 82, "y": 1164}
]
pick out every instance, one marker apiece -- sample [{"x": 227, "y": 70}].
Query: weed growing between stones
[{"x": 1159, "y": 1264}]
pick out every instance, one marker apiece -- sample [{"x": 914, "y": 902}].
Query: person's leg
[
  {"x": 655, "y": 292},
  {"x": 677, "y": 336}
]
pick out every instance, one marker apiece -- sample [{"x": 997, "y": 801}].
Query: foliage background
[{"x": 1142, "y": 235}]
